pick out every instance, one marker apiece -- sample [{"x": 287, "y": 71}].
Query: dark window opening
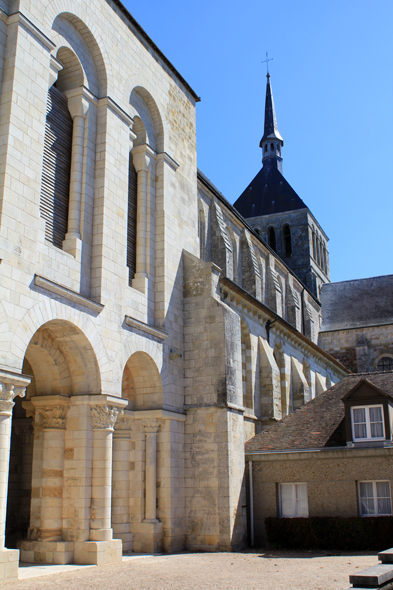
[
  {"x": 272, "y": 238},
  {"x": 385, "y": 364},
  {"x": 131, "y": 219},
  {"x": 272, "y": 147},
  {"x": 287, "y": 241}
]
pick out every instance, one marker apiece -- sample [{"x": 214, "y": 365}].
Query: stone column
[
  {"x": 141, "y": 162},
  {"x": 104, "y": 419},
  {"x": 151, "y": 426},
  {"x": 78, "y": 107},
  {"x": 11, "y": 385},
  {"x": 53, "y": 425},
  {"x": 121, "y": 482}
]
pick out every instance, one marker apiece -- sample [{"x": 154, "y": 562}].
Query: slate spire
[{"x": 271, "y": 142}]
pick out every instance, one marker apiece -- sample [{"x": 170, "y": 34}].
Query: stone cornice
[
  {"x": 159, "y": 413},
  {"x": 337, "y": 453},
  {"x": 67, "y": 293},
  {"x": 114, "y": 107},
  {"x": 18, "y": 17},
  {"x": 168, "y": 160},
  {"x": 232, "y": 293},
  {"x": 133, "y": 323}
]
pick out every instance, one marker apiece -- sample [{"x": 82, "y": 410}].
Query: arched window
[
  {"x": 55, "y": 186},
  {"x": 287, "y": 241},
  {"x": 131, "y": 219},
  {"x": 271, "y": 236},
  {"x": 272, "y": 147},
  {"x": 385, "y": 364}
]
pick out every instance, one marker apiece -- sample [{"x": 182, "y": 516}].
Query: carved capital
[
  {"x": 122, "y": 426},
  {"x": 104, "y": 417},
  {"x": 78, "y": 106},
  {"x": 141, "y": 159},
  {"x": 8, "y": 392},
  {"x": 151, "y": 425},
  {"x": 54, "y": 417}
]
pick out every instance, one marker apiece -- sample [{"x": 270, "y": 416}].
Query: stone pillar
[
  {"x": 121, "y": 483},
  {"x": 141, "y": 162},
  {"x": 11, "y": 385},
  {"x": 53, "y": 426},
  {"x": 151, "y": 426},
  {"x": 78, "y": 107},
  {"x": 104, "y": 418}
]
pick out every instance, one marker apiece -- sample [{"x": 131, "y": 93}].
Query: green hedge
[{"x": 350, "y": 534}]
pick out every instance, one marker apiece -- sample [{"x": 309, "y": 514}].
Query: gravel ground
[{"x": 278, "y": 570}]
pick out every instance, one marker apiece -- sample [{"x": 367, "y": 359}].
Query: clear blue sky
[{"x": 332, "y": 79}]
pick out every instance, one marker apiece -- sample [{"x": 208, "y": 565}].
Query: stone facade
[
  {"x": 331, "y": 477},
  {"x": 140, "y": 384}
]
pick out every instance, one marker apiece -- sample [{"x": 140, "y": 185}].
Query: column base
[
  {"x": 98, "y": 552},
  {"x": 126, "y": 539},
  {"x": 9, "y": 562},
  {"x": 56, "y": 552},
  {"x": 147, "y": 536},
  {"x": 140, "y": 282}
]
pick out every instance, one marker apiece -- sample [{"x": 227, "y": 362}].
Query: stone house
[
  {"x": 146, "y": 329},
  {"x": 332, "y": 457},
  {"x": 357, "y": 323}
]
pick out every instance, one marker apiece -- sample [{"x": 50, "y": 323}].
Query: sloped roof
[
  {"x": 358, "y": 303},
  {"x": 320, "y": 422},
  {"x": 268, "y": 193}
]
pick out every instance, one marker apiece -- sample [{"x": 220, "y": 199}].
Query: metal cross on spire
[{"x": 267, "y": 62}]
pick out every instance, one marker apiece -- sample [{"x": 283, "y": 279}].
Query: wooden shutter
[
  {"x": 131, "y": 220},
  {"x": 55, "y": 185}
]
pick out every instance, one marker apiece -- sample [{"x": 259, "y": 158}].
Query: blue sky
[{"x": 332, "y": 79}]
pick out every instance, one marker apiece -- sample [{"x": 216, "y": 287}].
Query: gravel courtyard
[{"x": 278, "y": 570}]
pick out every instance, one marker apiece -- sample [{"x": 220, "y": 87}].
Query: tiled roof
[
  {"x": 268, "y": 193},
  {"x": 320, "y": 422}
]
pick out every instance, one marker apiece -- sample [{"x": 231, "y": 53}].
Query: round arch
[
  {"x": 77, "y": 14},
  {"x": 136, "y": 92},
  {"x": 135, "y": 343},
  {"x": 53, "y": 311},
  {"x": 141, "y": 383}
]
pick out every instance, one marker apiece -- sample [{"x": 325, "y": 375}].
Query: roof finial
[{"x": 267, "y": 63}]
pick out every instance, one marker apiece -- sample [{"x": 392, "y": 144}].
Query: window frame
[
  {"x": 375, "y": 497},
  {"x": 368, "y": 429},
  {"x": 294, "y": 502}
]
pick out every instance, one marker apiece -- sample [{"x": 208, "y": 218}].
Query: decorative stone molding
[
  {"x": 67, "y": 293},
  {"x": 104, "y": 416},
  {"x": 108, "y": 102},
  {"x": 8, "y": 392},
  {"x": 133, "y": 323},
  {"x": 168, "y": 160},
  {"x": 122, "y": 426},
  {"x": 54, "y": 417},
  {"x": 152, "y": 425},
  {"x": 22, "y": 20}
]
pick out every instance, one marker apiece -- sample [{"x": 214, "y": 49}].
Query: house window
[
  {"x": 374, "y": 498},
  {"x": 367, "y": 423},
  {"x": 385, "y": 364},
  {"x": 293, "y": 499}
]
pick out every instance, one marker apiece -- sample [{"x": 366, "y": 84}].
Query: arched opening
[
  {"x": 141, "y": 383},
  {"x": 131, "y": 219},
  {"x": 385, "y": 364},
  {"x": 287, "y": 241},
  {"x": 271, "y": 238},
  {"x": 62, "y": 363}
]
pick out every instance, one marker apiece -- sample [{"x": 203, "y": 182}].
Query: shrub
[{"x": 345, "y": 534}]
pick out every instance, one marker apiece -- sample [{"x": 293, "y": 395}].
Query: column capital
[
  {"x": 142, "y": 156},
  {"x": 152, "y": 425},
  {"x": 10, "y": 386},
  {"x": 54, "y": 418},
  {"x": 104, "y": 416},
  {"x": 78, "y": 106}
]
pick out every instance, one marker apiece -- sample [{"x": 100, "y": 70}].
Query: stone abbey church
[{"x": 148, "y": 328}]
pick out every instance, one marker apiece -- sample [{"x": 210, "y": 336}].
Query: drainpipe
[{"x": 251, "y": 504}]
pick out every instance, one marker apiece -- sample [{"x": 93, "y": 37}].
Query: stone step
[
  {"x": 386, "y": 556},
  {"x": 372, "y": 577}
]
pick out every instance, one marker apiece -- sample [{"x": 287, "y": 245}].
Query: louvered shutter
[
  {"x": 55, "y": 186},
  {"x": 131, "y": 220}
]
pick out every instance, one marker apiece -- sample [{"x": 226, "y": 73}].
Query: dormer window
[{"x": 367, "y": 423}]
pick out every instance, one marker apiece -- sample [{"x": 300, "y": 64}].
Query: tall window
[
  {"x": 287, "y": 241},
  {"x": 374, "y": 498},
  {"x": 201, "y": 232},
  {"x": 244, "y": 367},
  {"x": 271, "y": 238},
  {"x": 293, "y": 499},
  {"x": 367, "y": 423},
  {"x": 385, "y": 364},
  {"x": 55, "y": 187},
  {"x": 131, "y": 219}
]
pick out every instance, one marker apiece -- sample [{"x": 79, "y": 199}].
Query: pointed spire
[{"x": 271, "y": 142}]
